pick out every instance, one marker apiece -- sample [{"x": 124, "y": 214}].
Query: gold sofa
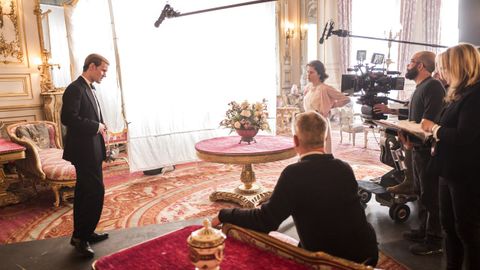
[
  {"x": 43, "y": 160},
  {"x": 282, "y": 246}
]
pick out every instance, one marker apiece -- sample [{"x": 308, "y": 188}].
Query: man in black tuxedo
[
  {"x": 320, "y": 193},
  {"x": 85, "y": 149}
]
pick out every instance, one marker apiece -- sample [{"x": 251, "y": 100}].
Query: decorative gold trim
[
  {"x": 20, "y": 107},
  {"x": 10, "y": 50},
  {"x": 251, "y": 159}
]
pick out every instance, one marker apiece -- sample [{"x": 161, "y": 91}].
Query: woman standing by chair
[
  {"x": 321, "y": 97},
  {"x": 457, "y": 157}
]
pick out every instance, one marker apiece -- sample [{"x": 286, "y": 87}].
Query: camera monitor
[
  {"x": 377, "y": 58},
  {"x": 361, "y": 55}
]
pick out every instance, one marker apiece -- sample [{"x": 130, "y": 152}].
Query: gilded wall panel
[{"x": 11, "y": 33}]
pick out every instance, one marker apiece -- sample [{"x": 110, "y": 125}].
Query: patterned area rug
[{"x": 134, "y": 199}]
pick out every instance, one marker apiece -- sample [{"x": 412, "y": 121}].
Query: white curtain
[
  {"x": 431, "y": 28},
  {"x": 89, "y": 30},
  {"x": 345, "y": 22},
  {"x": 178, "y": 79},
  {"x": 407, "y": 19}
]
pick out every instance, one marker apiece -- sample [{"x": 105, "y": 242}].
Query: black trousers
[
  {"x": 460, "y": 216},
  {"x": 426, "y": 186},
  {"x": 88, "y": 201}
]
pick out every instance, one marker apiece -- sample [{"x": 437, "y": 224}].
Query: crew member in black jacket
[
  {"x": 320, "y": 193},
  {"x": 457, "y": 156},
  {"x": 85, "y": 148}
]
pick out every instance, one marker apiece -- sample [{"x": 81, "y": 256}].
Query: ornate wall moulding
[
  {"x": 15, "y": 86},
  {"x": 11, "y": 49}
]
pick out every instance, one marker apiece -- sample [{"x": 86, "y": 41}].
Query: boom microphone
[
  {"x": 162, "y": 16},
  {"x": 322, "y": 39},
  {"x": 339, "y": 32}
]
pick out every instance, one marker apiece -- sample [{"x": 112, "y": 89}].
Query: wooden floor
[{"x": 58, "y": 254}]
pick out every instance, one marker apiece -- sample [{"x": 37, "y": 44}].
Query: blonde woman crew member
[
  {"x": 321, "y": 97},
  {"x": 457, "y": 159}
]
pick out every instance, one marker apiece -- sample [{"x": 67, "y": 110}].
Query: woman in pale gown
[{"x": 321, "y": 97}]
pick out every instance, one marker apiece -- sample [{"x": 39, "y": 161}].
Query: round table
[{"x": 229, "y": 150}]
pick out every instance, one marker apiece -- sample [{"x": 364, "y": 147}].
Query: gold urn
[{"x": 206, "y": 247}]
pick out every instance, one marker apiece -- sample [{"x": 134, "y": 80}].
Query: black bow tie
[{"x": 91, "y": 86}]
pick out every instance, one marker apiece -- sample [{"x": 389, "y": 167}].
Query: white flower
[
  {"x": 246, "y": 113},
  {"x": 245, "y": 105}
]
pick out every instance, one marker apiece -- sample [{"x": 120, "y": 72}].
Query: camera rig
[{"x": 371, "y": 81}]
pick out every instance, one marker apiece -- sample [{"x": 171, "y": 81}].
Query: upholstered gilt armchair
[{"x": 43, "y": 162}]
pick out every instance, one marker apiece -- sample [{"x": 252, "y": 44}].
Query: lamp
[
  {"x": 393, "y": 34},
  {"x": 303, "y": 31},
  {"x": 289, "y": 30}
]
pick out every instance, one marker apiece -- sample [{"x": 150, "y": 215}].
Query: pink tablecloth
[
  {"x": 7, "y": 146},
  {"x": 229, "y": 145},
  {"x": 171, "y": 252}
]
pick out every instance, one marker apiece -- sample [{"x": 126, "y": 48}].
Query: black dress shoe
[
  {"x": 83, "y": 247},
  {"x": 97, "y": 237}
]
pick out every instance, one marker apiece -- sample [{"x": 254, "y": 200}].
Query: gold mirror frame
[
  {"x": 46, "y": 83},
  {"x": 11, "y": 50}
]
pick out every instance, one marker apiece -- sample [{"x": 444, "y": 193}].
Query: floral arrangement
[{"x": 246, "y": 116}]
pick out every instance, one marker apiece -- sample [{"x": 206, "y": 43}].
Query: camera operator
[{"x": 426, "y": 103}]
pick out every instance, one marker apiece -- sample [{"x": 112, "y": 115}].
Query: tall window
[
  {"x": 379, "y": 17},
  {"x": 375, "y": 18},
  {"x": 449, "y": 32}
]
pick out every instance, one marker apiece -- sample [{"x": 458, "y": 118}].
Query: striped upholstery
[{"x": 55, "y": 167}]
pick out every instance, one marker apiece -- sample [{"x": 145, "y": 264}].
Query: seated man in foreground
[{"x": 320, "y": 193}]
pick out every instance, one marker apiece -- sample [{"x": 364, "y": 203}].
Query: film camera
[{"x": 371, "y": 81}]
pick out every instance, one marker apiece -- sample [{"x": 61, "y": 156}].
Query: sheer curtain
[
  {"x": 431, "y": 28},
  {"x": 178, "y": 79},
  {"x": 407, "y": 19},
  {"x": 345, "y": 22},
  {"x": 89, "y": 30}
]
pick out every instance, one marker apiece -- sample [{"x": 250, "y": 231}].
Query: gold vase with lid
[{"x": 206, "y": 247}]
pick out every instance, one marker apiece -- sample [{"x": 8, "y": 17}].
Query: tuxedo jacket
[
  {"x": 458, "y": 148},
  {"x": 83, "y": 144},
  {"x": 320, "y": 193}
]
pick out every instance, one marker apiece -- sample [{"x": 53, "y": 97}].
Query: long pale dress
[{"x": 322, "y": 98}]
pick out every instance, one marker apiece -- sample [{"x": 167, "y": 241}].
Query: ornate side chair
[
  {"x": 43, "y": 162},
  {"x": 350, "y": 123}
]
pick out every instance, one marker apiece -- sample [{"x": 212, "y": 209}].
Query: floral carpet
[{"x": 135, "y": 199}]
